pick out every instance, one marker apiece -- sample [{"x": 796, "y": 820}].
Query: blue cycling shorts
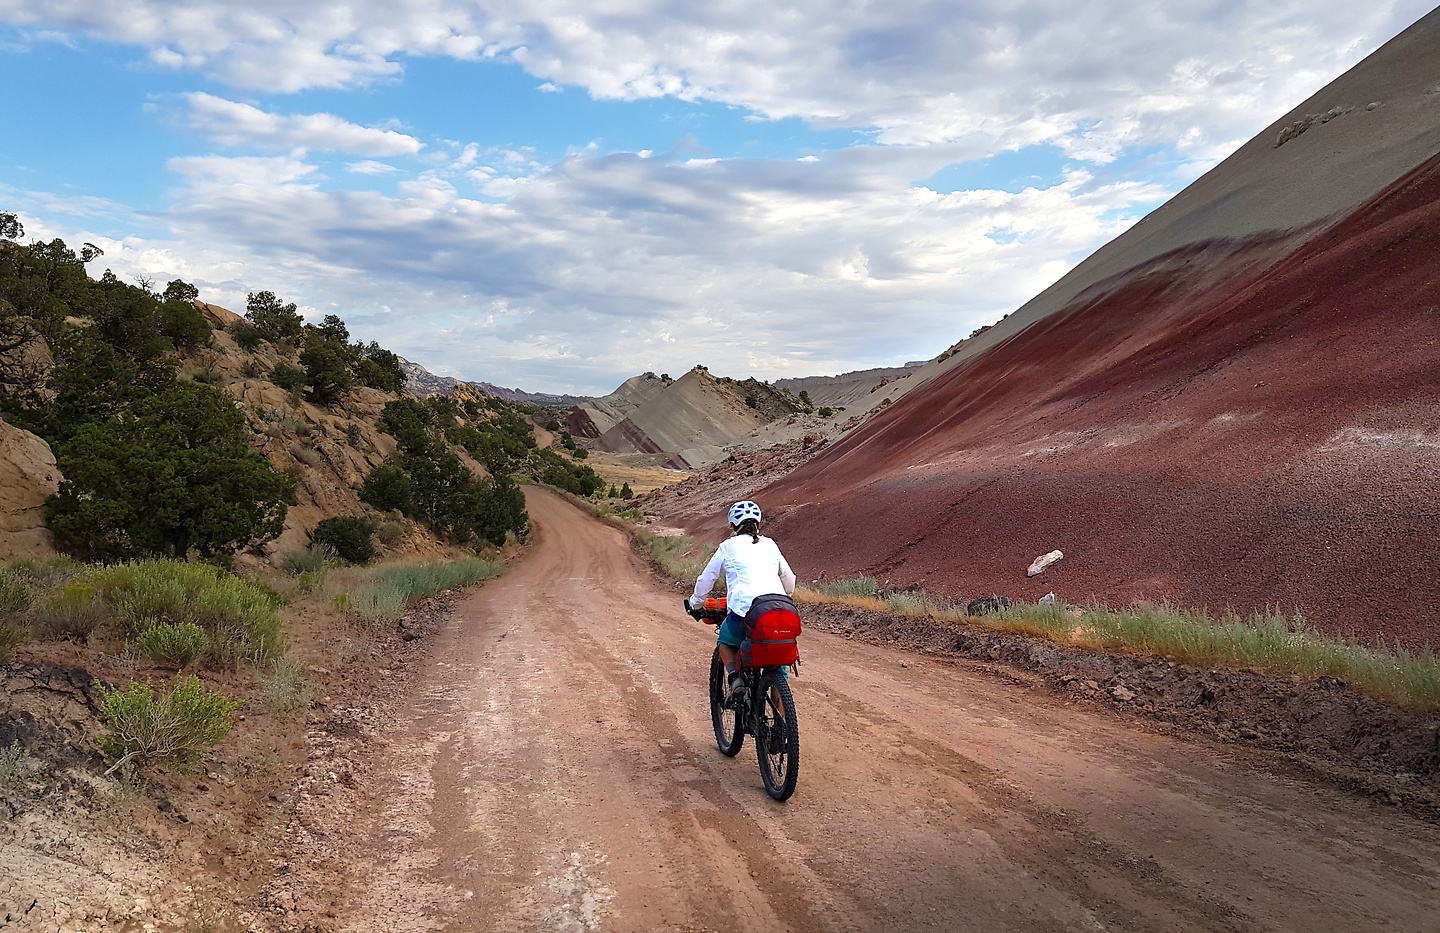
[{"x": 732, "y": 631}]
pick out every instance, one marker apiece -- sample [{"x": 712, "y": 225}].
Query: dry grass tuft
[{"x": 1265, "y": 642}]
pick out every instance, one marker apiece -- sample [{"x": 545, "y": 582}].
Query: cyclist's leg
[{"x": 727, "y": 640}]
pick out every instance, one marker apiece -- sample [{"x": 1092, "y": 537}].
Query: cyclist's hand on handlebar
[{"x": 690, "y": 610}]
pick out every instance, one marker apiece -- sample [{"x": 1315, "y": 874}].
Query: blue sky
[{"x": 557, "y": 196}]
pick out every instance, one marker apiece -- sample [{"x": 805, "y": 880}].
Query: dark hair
[{"x": 749, "y": 527}]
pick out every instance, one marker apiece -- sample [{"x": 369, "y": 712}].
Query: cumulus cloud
[
  {"x": 370, "y": 167},
  {"x": 1091, "y": 77},
  {"x": 230, "y": 123},
  {"x": 620, "y": 262},
  {"x": 241, "y": 171},
  {"x": 609, "y": 264}
]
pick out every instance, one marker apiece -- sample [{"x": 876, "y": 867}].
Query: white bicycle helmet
[{"x": 743, "y": 510}]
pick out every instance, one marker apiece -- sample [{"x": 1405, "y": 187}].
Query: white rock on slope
[{"x": 1042, "y": 562}]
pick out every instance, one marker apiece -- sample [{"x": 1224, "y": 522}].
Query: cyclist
[{"x": 753, "y": 567}]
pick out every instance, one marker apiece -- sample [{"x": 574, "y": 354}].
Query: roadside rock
[{"x": 28, "y": 476}]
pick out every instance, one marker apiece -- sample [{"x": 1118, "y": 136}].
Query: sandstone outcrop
[{"x": 27, "y": 477}]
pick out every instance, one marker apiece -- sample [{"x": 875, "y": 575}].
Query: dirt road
[{"x": 556, "y": 771}]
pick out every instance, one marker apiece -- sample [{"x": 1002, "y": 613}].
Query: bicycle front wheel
[
  {"x": 777, "y": 739},
  {"x": 729, "y": 726}
]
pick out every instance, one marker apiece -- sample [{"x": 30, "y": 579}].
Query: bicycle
[{"x": 765, "y": 709}]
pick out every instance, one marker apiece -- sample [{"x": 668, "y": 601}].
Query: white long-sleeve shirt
[{"x": 752, "y": 568}]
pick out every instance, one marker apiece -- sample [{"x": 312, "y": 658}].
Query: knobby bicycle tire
[
  {"x": 777, "y": 739},
  {"x": 729, "y": 724}
]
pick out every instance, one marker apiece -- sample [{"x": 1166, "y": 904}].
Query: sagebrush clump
[
  {"x": 175, "y": 725},
  {"x": 240, "y": 618},
  {"x": 177, "y": 645}
]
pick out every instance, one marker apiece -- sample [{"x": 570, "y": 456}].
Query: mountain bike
[{"x": 765, "y": 708}]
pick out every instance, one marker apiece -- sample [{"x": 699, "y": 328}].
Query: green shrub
[
  {"x": 306, "y": 455},
  {"x": 288, "y": 377},
  {"x": 175, "y": 474},
  {"x": 73, "y": 612},
  {"x": 417, "y": 581},
  {"x": 311, "y": 560},
  {"x": 284, "y": 688},
  {"x": 277, "y": 323},
  {"x": 379, "y": 369},
  {"x": 838, "y": 589},
  {"x": 16, "y": 765},
  {"x": 673, "y": 554},
  {"x": 247, "y": 335},
  {"x": 240, "y": 616},
  {"x": 176, "y": 725},
  {"x": 385, "y": 598},
  {"x": 327, "y": 368},
  {"x": 312, "y": 580},
  {"x": 11, "y": 637},
  {"x": 913, "y": 604},
  {"x": 581, "y": 453},
  {"x": 390, "y": 532},
  {"x": 172, "y": 644},
  {"x": 377, "y": 602},
  {"x": 627, "y": 513},
  {"x": 389, "y": 487},
  {"x": 348, "y": 536},
  {"x": 15, "y": 593},
  {"x": 208, "y": 375},
  {"x": 251, "y": 369}
]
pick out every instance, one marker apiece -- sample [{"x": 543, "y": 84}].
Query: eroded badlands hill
[
  {"x": 688, "y": 420},
  {"x": 1233, "y": 404}
]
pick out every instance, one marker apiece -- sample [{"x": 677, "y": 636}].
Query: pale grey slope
[
  {"x": 609, "y": 410},
  {"x": 1358, "y": 134}
]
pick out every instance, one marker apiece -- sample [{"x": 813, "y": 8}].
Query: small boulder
[
  {"x": 1042, "y": 562},
  {"x": 1047, "y": 600}
]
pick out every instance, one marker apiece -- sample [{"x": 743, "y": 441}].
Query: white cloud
[
  {"x": 624, "y": 262},
  {"x": 243, "y": 172},
  {"x": 575, "y": 281},
  {"x": 230, "y": 123},
  {"x": 1091, "y": 77},
  {"x": 370, "y": 167}
]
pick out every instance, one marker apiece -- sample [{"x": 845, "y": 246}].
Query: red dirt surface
[{"x": 1235, "y": 424}]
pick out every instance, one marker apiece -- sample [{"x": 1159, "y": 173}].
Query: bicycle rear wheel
[
  {"x": 729, "y": 723},
  {"x": 777, "y": 739}
]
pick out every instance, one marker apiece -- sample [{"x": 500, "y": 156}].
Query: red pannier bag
[{"x": 771, "y": 627}]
